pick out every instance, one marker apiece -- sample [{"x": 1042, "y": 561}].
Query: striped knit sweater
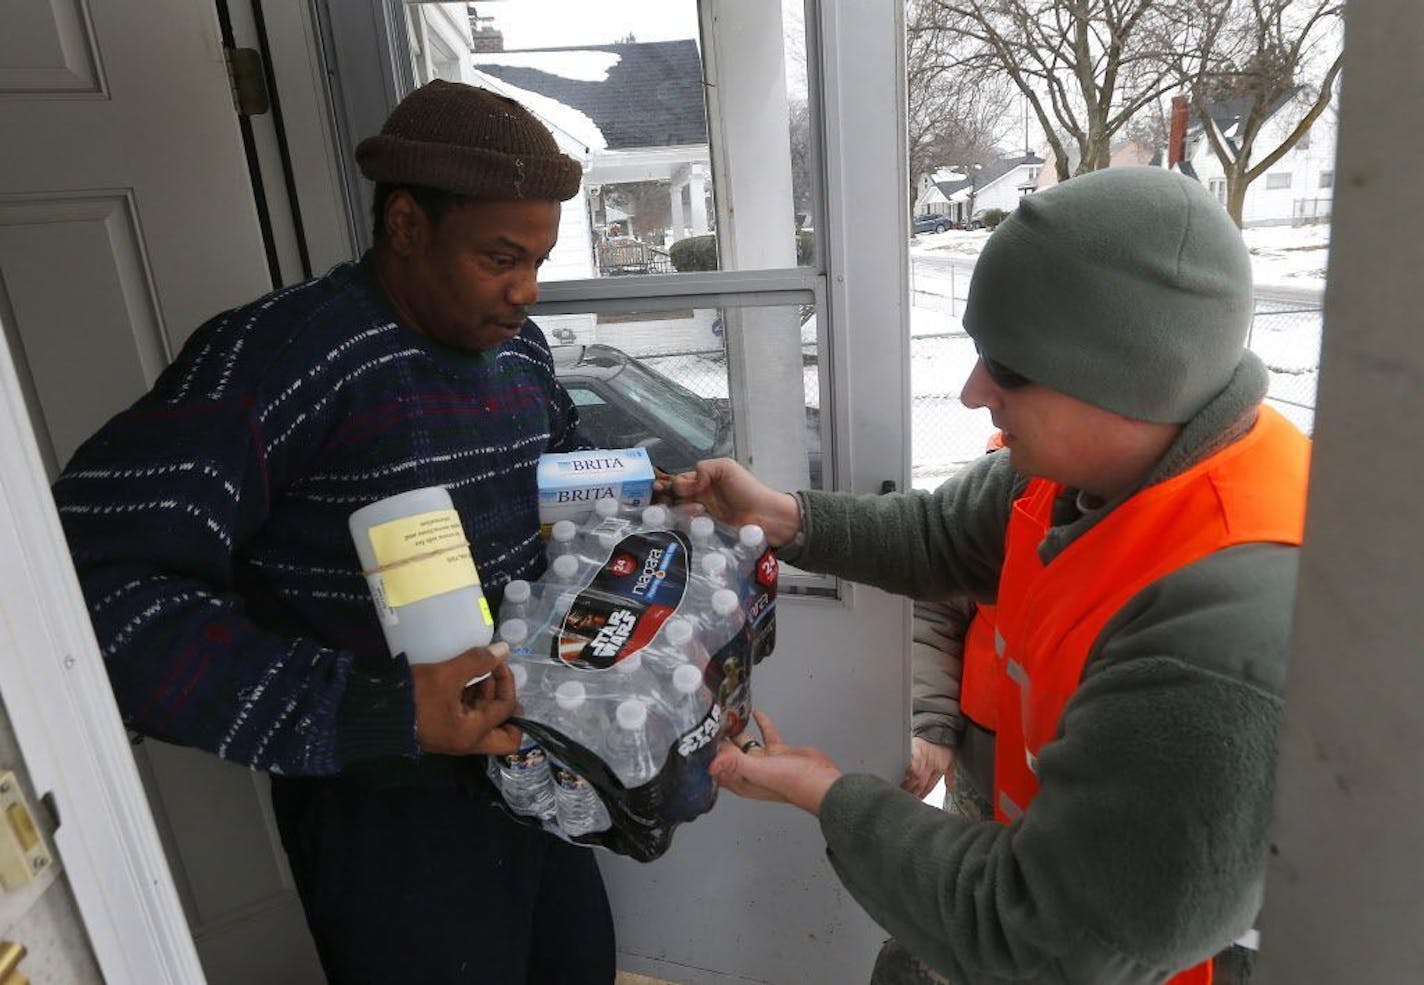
[{"x": 208, "y": 522}]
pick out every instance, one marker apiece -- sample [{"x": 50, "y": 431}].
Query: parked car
[
  {"x": 929, "y": 223},
  {"x": 624, "y": 403}
]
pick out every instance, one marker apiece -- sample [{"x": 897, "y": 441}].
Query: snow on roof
[
  {"x": 570, "y": 126},
  {"x": 581, "y": 66}
]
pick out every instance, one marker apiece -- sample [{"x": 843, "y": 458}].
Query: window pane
[
  {"x": 621, "y": 85},
  {"x": 667, "y": 379}
]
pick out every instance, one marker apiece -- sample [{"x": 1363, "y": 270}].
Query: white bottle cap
[
  {"x": 632, "y": 714},
  {"x": 514, "y": 631},
  {"x": 521, "y": 676},
  {"x": 687, "y": 679},
  {"x": 701, "y": 528},
  {"x": 714, "y": 565},
  {"x": 564, "y": 531},
  {"x": 565, "y": 567},
  {"x": 751, "y": 535},
  {"x": 724, "y": 601},
  {"x": 678, "y": 631},
  {"x": 606, "y": 507},
  {"x": 570, "y": 695},
  {"x": 517, "y": 591},
  {"x": 655, "y": 517},
  {"x": 631, "y": 663}
]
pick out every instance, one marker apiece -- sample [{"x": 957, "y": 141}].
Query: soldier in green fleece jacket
[{"x": 1110, "y": 313}]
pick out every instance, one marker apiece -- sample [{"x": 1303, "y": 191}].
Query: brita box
[{"x": 570, "y": 483}]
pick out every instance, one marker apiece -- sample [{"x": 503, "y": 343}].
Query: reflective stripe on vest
[
  {"x": 1252, "y": 491},
  {"x": 983, "y": 668}
]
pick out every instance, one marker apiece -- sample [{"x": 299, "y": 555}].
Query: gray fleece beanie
[{"x": 1127, "y": 288}]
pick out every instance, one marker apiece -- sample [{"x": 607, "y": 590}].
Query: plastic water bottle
[
  {"x": 524, "y": 776},
  {"x": 516, "y": 600},
  {"x": 655, "y": 518},
  {"x": 579, "y": 718},
  {"x": 751, "y": 543},
  {"x": 580, "y": 809},
  {"x": 562, "y": 540},
  {"x": 632, "y": 676},
  {"x": 699, "y": 531},
  {"x": 709, "y": 574},
  {"x": 564, "y": 571},
  {"x": 515, "y": 632},
  {"x": 693, "y": 699},
  {"x": 675, "y": 646},
  {"x": 725, "y": 620},
  {"x": 630, "y": 754}
]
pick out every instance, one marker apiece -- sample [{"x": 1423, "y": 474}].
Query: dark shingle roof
[
  {"x": 948, "y": 188},
  {"x": 651, "y": 98},
  {"x": 1001, "y": 167}
]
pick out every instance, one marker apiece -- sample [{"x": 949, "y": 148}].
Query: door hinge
[{"x": 249, "y": 82}]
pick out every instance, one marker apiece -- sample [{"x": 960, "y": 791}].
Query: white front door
[{"x": 126, "y": 220}]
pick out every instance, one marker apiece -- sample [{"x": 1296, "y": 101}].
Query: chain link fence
[{"x": 946, "y": 435}]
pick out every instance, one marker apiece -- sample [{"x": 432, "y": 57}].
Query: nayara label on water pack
[{"x": 626, "y": 603}]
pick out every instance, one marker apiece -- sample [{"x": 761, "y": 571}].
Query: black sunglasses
[{"x": 1003, "y": 377}]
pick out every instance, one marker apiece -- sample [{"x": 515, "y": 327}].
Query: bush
[
  {"x": 700, "y": 252},
  {"x": 992, "y": 217},
  {"x": 694, "y": 253}
]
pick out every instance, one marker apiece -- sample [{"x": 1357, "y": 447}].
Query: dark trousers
[{"x": 435, "y": 885}]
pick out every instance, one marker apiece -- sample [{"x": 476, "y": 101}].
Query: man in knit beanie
[
  {"x": 1138, "y": 537},
  {"x": 209, "y": 529}
]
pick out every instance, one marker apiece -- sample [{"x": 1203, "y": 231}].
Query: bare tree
[
  {"x": 1264, "y": 58},
  {"x": 956, "y": 114},
  {"x": 1085, "y": 67}
]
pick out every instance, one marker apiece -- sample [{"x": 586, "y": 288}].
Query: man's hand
[
  {"x": 928, "y": 762},
  {"x": 458, "y": 718},
  {"x": 776, "y": 771},
  {"x": 734, "y": 496}
]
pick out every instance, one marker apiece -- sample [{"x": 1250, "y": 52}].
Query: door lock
[{"x": 23, "y": 854}]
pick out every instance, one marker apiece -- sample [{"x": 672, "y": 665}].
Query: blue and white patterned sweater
[{"x": 208, "y": 522}]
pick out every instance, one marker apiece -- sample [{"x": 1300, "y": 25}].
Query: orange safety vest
[
  {"x": 1252, "y": 491},
  {"x": 979, "y": 684},
  {"x": 982, "y": 669}
]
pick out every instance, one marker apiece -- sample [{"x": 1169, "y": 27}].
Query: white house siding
[
  {"x": 1003, "y": 193},
  {"x": 1310, "y": 168}
]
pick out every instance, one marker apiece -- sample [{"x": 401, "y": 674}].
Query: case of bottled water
[{"x": 632, "y": 655}]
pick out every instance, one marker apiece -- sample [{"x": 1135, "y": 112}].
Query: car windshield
[{"x": 693, "y": 418}]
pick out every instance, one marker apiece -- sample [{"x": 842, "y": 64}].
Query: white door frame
[{"x": 62, "y": 709}]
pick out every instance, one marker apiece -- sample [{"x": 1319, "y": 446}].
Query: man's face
[
  {"x": 1052, "y": 435},
  {"x": 468, "y": 280}
]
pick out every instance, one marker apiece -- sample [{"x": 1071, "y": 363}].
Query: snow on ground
[
  {"x": 1288, "y": 256},
  {"x": 1285, "y": 256}
]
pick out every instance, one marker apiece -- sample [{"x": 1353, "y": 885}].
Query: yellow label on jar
[{"x": 422, "y": 556}]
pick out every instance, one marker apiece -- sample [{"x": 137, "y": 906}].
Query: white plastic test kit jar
[{"x": 423, "y": 579}]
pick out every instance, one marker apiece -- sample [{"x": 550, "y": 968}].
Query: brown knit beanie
[{"x": 470, "y": 141}]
